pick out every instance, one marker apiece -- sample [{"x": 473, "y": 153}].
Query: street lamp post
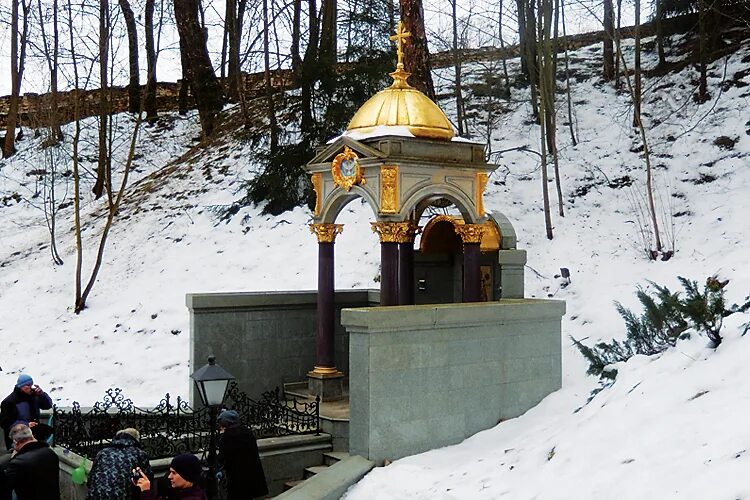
[{"x": 212, "y": 381}]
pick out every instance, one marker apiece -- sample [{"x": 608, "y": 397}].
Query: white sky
[{"x": 672, "y": 427}]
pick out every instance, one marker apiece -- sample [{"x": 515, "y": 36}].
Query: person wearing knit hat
[
  {"x": 240, "y": 459},
  {"x": 111, "y": 473},
  {"x": 23, "y": 406},
  {"x": 228, "y": 418},
  {"x": 185, "y": 474}
]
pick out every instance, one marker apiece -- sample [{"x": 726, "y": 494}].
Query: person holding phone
[
  {"x": 185, "y": 478},
  {"x": 23, "y": 406}
]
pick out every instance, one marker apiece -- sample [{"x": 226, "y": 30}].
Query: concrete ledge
[
  {"x": 273, "y": 300},
  {"x": 331, "y": 483},
  {"x": 399, "y": 318}
]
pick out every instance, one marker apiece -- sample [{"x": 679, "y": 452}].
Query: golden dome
[{"x": 401, "y": 105}]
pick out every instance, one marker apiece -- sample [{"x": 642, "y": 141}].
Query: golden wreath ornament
[{"x": 346, "y": 170}]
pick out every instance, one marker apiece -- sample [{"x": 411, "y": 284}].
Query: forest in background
[{"x": 337, "y": 54}]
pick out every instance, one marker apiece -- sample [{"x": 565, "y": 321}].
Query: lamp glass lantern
[{"x": 212, "y": 381}]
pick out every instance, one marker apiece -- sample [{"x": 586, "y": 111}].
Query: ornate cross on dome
[{"x": 399, "y": 37}]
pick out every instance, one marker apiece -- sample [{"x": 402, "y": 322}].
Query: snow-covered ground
[{"x": 655, "y": 433}]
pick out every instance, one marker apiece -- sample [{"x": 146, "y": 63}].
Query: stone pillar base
[{"x": 328, "y": 383}]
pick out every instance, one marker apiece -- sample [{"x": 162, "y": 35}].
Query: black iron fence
[{"x": 173, "y": 427}]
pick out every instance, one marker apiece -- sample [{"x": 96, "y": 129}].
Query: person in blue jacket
[{"x": 23, "y": 406}]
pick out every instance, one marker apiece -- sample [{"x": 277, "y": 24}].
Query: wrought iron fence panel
[{"x": 173, "y": 426}]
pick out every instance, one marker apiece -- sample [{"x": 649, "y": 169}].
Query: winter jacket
[
  {"x": 110, "y": 477},
  {"x": 5, "y": 491},
  {"x": 23, "y": 408},
  {"x": 238, "y": 453},
  {"x": 192, "y": 493},
  {"x": 34, "y": 472}
]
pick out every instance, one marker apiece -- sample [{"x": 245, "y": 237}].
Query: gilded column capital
[
  {"x": 326, "y": 233},
  {"x": 470, "y": 233},
  {"x": 395, "y": 232}
]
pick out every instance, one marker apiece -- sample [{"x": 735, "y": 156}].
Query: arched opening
[{"x": 439, "y": 263}]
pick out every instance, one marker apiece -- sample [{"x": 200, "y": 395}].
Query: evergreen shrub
[{"x": 666, "y": 317}]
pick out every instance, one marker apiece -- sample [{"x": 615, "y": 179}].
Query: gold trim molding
[
  {"x": 470, "y": 233},
  {"x": 389, "y": 190},
  {"x": 317, "y": 183},
  {"x": 326, "y": 233},
  {"x": 480, "y": 184},
  {"x": 395, "y": 232},
  {"x": 325, "y": 372}
]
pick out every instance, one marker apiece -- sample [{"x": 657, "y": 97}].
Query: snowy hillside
[{"x": 670, "y": 427}]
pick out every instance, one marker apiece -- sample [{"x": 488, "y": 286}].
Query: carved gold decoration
[
  {"x": 346, "y": 170},
  {"x": 395, "y": 232},
  {"x": 389, "y": 190},
  {"x": 481, "y": 183},
  {"x": 317, "y": 182},
  {"x": 470, "y": 233},
  {"x": 326, "y": 233}
]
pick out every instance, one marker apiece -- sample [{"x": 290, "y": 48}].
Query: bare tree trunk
[
  {"x": 55, "y": 132},
  {"x": 183, "y": 96},
  {"x": 296, "y": 34},
  {"x": 608, "y": 43},
  {"x": 502, "y": 49},
  {"x": 81, "y": 303},
  {"x": 16, "y": 73},
  {"x": 567, "y": 77},
  {"x": 541, "y": 64},
  {"x": 309, "y": 70},
  {"x": 618, "y": 83},
  {"x": 647, "y": 156},
  {"x": 273, "y": 128},
  {"x": 76, "y": 174},
  {"x": 637, "y": 69},
  {"x": 101, "y": 170},
  {"x": 460, "y": 111},
  {"x": 548, "y": 83},
  {"x": 229, "y": 5},
  {"x": 416, "y": 52},
  {"x": 327, "y": 52},
  {"x": 233, "y": 74},
  {"x": 702, "y": 49},
  {"x": 531, "y": 56},
  {"x": 134, "y": 86},
  {"x": 150, "y": 104},
  {"x": 522, "y": 42},
  {"x": 659, "y": 15},
  {"x": 206, "y": 89}
]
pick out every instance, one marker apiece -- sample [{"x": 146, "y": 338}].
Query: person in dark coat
[
  {"x": 22, "y": 407},
  {"x": 112, "y": 471},
  {"x": 239, "y": 456},
  {"x": 185, "y": 475},
  {"x": 5, "y": 491},
  {"x": 34, "y": 471}
]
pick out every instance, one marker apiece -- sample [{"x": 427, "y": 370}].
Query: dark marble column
[
  {"x": 324, "y": 348},
  {"x": 406, "y": 263},
  {"x": 471, "y": 235},
  {"x": 388, "y": 273},
  {"x": 406, "y": 273},
  {"x": 325, "y": 380},
  {"x": 391, "y": 233}
]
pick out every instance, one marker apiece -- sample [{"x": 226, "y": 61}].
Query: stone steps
[
  {"x": 329, "y": 458},
  {"x": 330, "y": 483}
]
